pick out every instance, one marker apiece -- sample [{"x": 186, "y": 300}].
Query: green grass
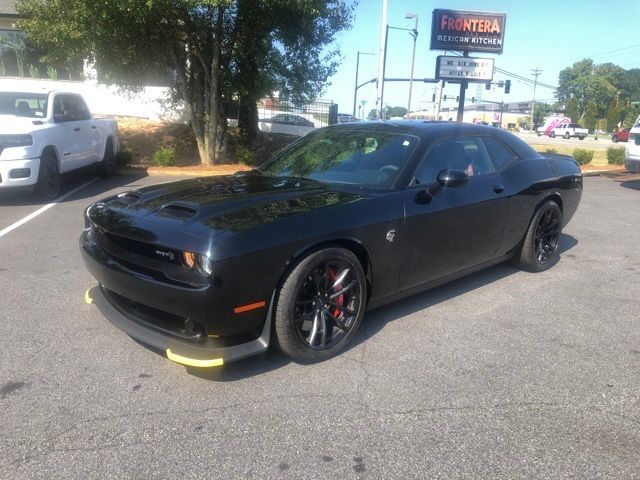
[{"x": 599, "y": 153}]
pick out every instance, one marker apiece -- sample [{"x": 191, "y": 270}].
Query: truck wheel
[
  {"x": 581, "y": 138},
  {"x": 107, "y": 167},
  {"x": 567, "y": 136},
  {"x": 48, "y": 183},
  {"x": 552, "y": 134},
  {"x": 614, "y": 139},
  {"x": 539, "y": 134}
]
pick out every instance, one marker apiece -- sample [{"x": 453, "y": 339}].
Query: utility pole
[
  {"x": 414, "y": 33},
  {"x": 382, "y": 58},
  {"x": 535, "y": 72}
]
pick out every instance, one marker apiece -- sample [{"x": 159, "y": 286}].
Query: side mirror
[
  {"x": 452, "y": 178},
  {"x": 59, "y": 117}
]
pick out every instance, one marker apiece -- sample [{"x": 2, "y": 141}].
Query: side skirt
[{"x": 436, "y": 283}]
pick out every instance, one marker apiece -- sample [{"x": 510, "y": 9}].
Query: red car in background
[{"x": 620, "y": 135}]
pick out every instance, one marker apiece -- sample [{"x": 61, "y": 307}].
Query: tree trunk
[{"x": 248, "y": 119}]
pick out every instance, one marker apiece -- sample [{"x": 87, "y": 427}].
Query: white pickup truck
[
  {"x": 45, "y": 134},
  {"x": 570, "y": 130}
]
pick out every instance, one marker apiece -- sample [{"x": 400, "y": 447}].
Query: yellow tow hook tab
[
  {"x": 194, "y": 362},
  {"x": 88, "y": 299}
]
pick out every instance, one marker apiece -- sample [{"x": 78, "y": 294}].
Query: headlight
[
  {"x": 205, "y": 264},
  {"x": 10, "y": 141}
]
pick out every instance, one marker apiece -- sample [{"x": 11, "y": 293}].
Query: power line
[{"x": 616, "y": 50}]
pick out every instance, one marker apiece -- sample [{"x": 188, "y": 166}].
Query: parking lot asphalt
[{"x": 503, "y": 374}]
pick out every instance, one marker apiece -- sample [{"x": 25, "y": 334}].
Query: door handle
[
  {"x": 498, "y": 188},
  {"x": 77, "y": 129}
]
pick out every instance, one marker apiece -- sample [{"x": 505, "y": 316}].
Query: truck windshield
[{"x": 32, "y": 105}]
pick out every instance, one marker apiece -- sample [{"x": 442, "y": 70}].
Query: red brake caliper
[{"x": 333, "y": 274}]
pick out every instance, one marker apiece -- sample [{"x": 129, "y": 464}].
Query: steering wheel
[{"x": 393, "y": 168}]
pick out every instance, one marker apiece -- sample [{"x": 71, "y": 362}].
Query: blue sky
[{"x": 549, "y": 34}]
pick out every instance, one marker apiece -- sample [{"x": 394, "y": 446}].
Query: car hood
[
  {"x": 10, "y": 124},
  {"x": 209, "y": 206}
]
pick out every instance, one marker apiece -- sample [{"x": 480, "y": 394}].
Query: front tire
[
  {"x": 552, "y": 135},
  {"x": 614, "y": 139},
  {"x": 567, "y": 136},
  {"x": 107, "y": 167},
  {"x": 48, "y": 183},
  {"x": 320, "y": 305},
  {"x": 539, "y": 250}
]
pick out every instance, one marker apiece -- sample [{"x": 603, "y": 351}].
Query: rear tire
[
  {"x": 48, "y": 183},
  {"x": 539, "y": 250},
  {"x": 552, "y": 135},
  {"x": 320, "y": 305},
  {"x": 107, "y": 167},
  {"x": 614, "y": 139},
  {"x": 567, "y": 136}
]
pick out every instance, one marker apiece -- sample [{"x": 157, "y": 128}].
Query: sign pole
[{"x": 463, "y": 90}]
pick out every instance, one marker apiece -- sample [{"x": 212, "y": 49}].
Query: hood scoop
[
  {"x": 129, "y": 198},
  {"x": 176, "y": 211}
]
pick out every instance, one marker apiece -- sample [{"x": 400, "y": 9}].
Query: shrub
[
  {"x": 615, "y": 155},
  {"x": 244, "y": 155},
  {"x": 123, "y": 157},
  {"x": 551, "y": 150},
  {"x": 164, "y": 157},
  {"x": 583, "y": 156}
]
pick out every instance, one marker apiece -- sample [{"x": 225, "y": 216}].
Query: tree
[
  {"x": 214, "y": 51},
  {"x": 540, "y": 112},
  {"x": 394, "y": 112},
  {"x": 590, "y": 116},
  {"x": 571, "y": 109},
  {"x": 373, "y": 114},
  {"x": 614, "y": 117}
]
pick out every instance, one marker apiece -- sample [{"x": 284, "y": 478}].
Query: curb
[{"x": 181, "y": 171}]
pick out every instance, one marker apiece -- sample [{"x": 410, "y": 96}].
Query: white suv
[{"x": 632, "y": 161}]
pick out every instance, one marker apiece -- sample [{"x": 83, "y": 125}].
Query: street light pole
[
  {"x": 413, "y": 58},
  {"x": 382, "y": 57},
  {"x": 355, "y": 89}
]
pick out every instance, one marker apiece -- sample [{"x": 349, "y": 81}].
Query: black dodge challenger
[{"x": 350, "y": 217}]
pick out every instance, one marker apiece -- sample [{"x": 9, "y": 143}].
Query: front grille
[
  {"x": 146, "y": 249},
  {"x": 174, "y": 325}
]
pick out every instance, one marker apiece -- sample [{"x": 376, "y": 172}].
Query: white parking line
[{"x": 33, "y": 215}]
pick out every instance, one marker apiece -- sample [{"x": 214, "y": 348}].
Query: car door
[
  {"x": 65, "y": 136},
  {"x": 458, "y": 227},
  {"x": 84, "y": 128}
]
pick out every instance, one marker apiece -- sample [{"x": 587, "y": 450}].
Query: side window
[
  {"x": 500, "y": 155},
  {"x": 463, "y": 154},
  {"x": 74, "y": 108}
]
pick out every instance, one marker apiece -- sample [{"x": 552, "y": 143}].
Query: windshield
[
  {"x": 336, "y": 155},
  {"x": 32, "y": 105}
]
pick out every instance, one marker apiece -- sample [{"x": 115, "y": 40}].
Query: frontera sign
[{"x": 467, "y": 31}]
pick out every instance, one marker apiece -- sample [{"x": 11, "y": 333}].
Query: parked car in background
[
  {"x": 620, "y": 135},
  {"x": 289, "y": 119},
  {"x": 211, "y": 270},
  {"x": 347, "y": 118},
  {"x": 569, "y": 130},
  {"x": 45, "y": 134}
]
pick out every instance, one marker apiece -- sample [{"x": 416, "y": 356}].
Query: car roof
[{"x": 430, "y": 130}]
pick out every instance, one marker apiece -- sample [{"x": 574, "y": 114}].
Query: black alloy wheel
[
  {"x": 48, "y": 183},
  {"x": 320, "y": 305},
  {"x": 547, "y": 237},
  {"x": 540, "y": 248},
  {"x": 567, "y": 136},
  {"x": 107, "y": 167}
]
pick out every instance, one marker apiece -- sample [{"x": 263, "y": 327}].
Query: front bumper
[
  {"x": 632, "y": 163},
  {"x": 176, "y": 350},
  {"x": 7, "y": 167},
  {"x": 163, "y": 315}
]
